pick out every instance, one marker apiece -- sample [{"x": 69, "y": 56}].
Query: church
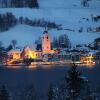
[
  {"x": 32, "y": 53},
  {"x": 46, "y": 43}
]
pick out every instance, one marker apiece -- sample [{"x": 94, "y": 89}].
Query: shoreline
[{"x": 46, "y": 63}]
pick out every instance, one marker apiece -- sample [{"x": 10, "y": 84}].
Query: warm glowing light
[{"x": 88, "y": 59}]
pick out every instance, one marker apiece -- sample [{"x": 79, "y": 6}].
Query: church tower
[{"x": 46, "y": 43}]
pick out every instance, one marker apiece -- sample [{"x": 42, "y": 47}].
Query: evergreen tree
[
  {"x": 19, "y": 3},
  {"x": 33, "y": 3},
  {"x": 38, "y": 44},
  {"x": 76, "y": 85},
  {"x": 63, "y": 91},
  {"x": 14, "y": 42},
  {"x": 3, "y": 54},
  {"x": 53, "y": 93},
  {"x": 85, "y": 3},
  {"x": 4, "y": 95},
  {"x": 55, "y": 42},
  {"x": 64, "y": 41},
  {"x": 1, "y": 44},
  {"x": 9, "y": 47},
  {"x": 28, "y": 93}
]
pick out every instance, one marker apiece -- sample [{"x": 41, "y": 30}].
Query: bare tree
[{"x": 14, "y": 42}]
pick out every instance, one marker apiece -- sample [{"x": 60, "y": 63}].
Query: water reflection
[
  {"x": 14, "y": 67},
  {"x": 47, "y": 67},
  {"x": 32, "y": 67},
  {"x": 87, "y": 65}
]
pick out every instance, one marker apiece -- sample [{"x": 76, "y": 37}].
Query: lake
[{"x": 42, "y": 76}]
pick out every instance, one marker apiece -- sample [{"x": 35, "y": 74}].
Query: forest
[
  {"x": 8, "y": 20},
  {"x": 18, "y": 3}
]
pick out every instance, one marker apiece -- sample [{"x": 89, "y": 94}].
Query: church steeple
[
  {"x": 46, "y": 42},
  {"x": 45, "y": 31}
]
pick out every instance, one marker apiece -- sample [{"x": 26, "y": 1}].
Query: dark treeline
[
  {"x": 85, "y": 3},
  {"x": 26, "y": 93},
  {"x": 61, "y": 41},
  {"x": 18, "y": 3},
  {"x": 38, "y": 22},
  {"x": 8, "y": 20}
]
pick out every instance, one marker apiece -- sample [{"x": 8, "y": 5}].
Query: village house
[
  {"x": 69, "y": 55},
  {"x": 87, "y": 58},
  {"x": 30, "y": 53},
  {"x": 14, "y": 54}
]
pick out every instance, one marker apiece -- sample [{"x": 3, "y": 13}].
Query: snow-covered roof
[{"x": 14, "y": 51}]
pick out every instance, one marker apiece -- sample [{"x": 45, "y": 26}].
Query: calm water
[{"x": 42, "y": 76}]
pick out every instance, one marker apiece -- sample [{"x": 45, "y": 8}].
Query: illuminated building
[
  {"x": 46, "y": 43},
  {"x": 14, "y": 54},
  {"x": 30, "y": 53},
  {"x": 87, "y": 58}
]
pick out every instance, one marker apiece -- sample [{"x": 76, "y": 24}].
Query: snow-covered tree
[
  {"x": 55, "y": 42},
  {"x": 28, "y": 93},
  {"x": 19, "y": 3},
  {"x": 85, "y": 3},
  {"x": 77, "y": 86},
  {"x": 64, "y": 41},
  {"x": 63, "y": 91},
  {"x": 4, "y": 95},
  {"x": 53, "y": 93},
  {"x": 3, "y": 53}
]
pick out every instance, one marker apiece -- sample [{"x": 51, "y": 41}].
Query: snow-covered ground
[
  {"x": 60, "y": 11},
  {"x": 64, "y": 4},
  {"x": 26, "y": 35},
  {"x": 62, "y": 16}
]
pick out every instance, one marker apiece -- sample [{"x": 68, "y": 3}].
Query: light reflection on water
[
  {"x": 87, "y": 65},
  {"x": 47, "y": 67}
]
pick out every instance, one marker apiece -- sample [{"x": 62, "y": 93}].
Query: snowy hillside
[
  {"x": 61, "y": 16},
  {"x": 69, "y": 13},
  {"x": 63, "y": 4},
  {"x": 26, "y": 35}
]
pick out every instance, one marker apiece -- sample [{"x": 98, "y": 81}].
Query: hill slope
[
  {"x": 26, "y": 35},
  {"x": 66, "y": 4},
  {"x": 69, "y": 13}
]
